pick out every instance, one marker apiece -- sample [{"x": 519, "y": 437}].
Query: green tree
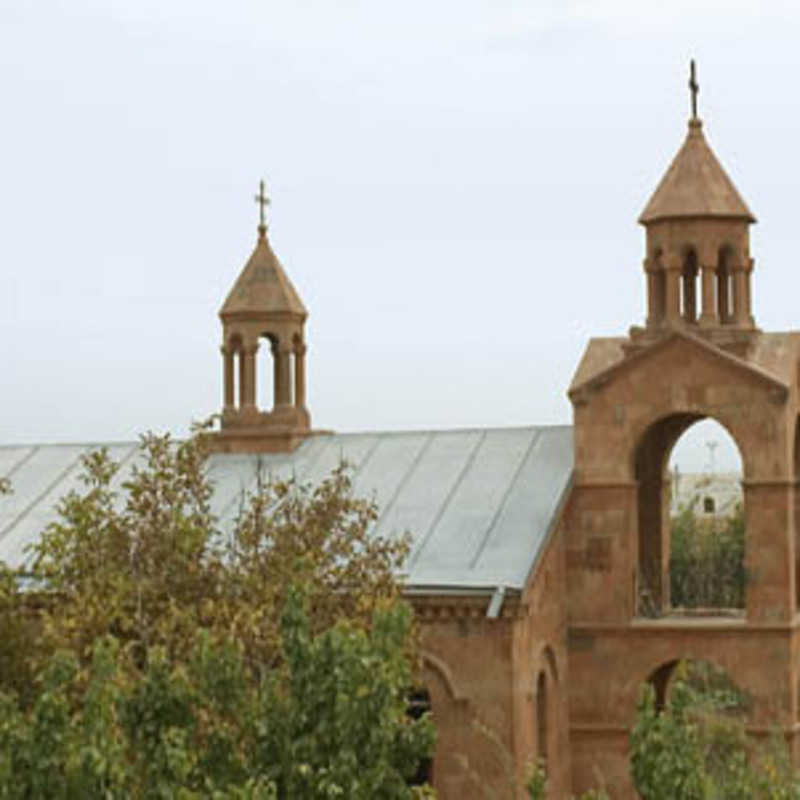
[
  {"x": 707, "y": 560},
  {"x": 696, "y": 747},
  {"x": 163, "y": 657}
]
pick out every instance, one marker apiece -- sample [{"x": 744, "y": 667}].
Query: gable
[{"x": 678, "y": 361}]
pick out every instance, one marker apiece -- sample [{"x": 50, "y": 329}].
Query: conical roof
[
  {"x": 263, "y": 287},
  {"x": 695, "y": 185}
]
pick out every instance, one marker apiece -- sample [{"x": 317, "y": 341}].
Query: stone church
[{"x": 539, "y": 560}]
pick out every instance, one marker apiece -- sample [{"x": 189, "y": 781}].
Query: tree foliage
[
  {"x": 707, "y": 560},
  {"x": 148, "y": 653},
  {"x": 696, "y": 747}
]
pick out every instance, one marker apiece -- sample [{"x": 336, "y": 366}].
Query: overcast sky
[{"x": 455, "y": 187}]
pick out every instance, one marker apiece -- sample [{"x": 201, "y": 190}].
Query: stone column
[
  {"x": 242, "y": 378},
  {"x": 283, "y": 393},
  {"x": 673, "y": 300},
  {"x": 227, "y": 361},
  {"x": 273, "y": 348},
  {"x": 740, "y": 311},
  {"x": 300, "y": 375},
  {"x": 709, "y": 313},
  {"x": 723, "y": 292},
  {"x": 249, "y": 383},
  {"x": 689, "y": 296}
]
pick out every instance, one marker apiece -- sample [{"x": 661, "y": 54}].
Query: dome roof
[
  {"x": 263, "y": 288},
  {"x": 695, "y": 185}
]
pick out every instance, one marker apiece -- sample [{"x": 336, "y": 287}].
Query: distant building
[{"x": 706, "y": 494}]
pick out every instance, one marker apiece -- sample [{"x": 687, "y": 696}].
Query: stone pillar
[
  {"x": 283, "y": 389},
  {"x": 709, "y": 313},
  {"x": 242, "y": 378},
  {"x": 740, "y": 314},
  {"x": 723, "y": 294},
  {"x": 673, "y": 300},
  {"x": 748, "y": 300},
  {"x": 300, "y": 375},
  {"x": 227, "y": 361},
  {"x": 690, "y": 296},
  {"x": 249, "y": 382},
  {"x": 273, "y": 348}
]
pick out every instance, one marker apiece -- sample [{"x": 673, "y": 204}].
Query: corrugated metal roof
[{"x": 477, "y": 503}]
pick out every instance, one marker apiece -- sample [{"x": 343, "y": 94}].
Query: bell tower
[
  {"x": 263, "y": 309},
  {"x": 698, "y": 262},
  {"x": 698, "y": 356}
]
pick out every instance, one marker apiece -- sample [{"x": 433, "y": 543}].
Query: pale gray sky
[{"x": 455, "y": 186}]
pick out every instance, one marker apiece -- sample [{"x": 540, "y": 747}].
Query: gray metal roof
[{"x": 477, "y": 503}]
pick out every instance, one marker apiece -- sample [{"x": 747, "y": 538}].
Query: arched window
[
  {"x": 419, "y": 704},
  {"x": 690, "y": 560},
  {"x": 541, "y": 717},
  {"x": 689, "y": 287},
  {"x": 267, "y": 369},
  {"x": 234, "y": 369}
]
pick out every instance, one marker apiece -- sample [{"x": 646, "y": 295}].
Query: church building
[{"x": 539, "y": 562}]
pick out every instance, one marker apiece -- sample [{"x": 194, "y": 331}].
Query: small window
[
  {"x": 541, "y": 717},
  {"x": 708, "y": 505},
  {"x": 419, "y": 703}
]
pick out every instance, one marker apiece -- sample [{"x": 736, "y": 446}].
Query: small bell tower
[
  {"x": 263, "y": 309},
  {"x": 698, "y": 262}
]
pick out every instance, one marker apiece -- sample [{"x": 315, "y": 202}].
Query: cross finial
[
  {"x": 694, "y": 88},
  {"x": 263, "y": 201}
]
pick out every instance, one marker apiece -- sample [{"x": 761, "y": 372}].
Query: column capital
[{"x": 300, "y": 348}]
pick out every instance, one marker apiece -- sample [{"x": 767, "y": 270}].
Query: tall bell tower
[
  {"x": 698, "y": 356},
  {"x": 698, "y": 262},
  {"x": 263, "y": 309}
]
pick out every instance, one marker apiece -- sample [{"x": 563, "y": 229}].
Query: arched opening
[
  {"x": 706, "y": 680},
  {"x": 234, "y": 368},
  {"x": 266, "y": 372},
  {"x": 691, "y": 519},
  {"x": 689, "y": 273},
  {"x": 541, "y": 718},
  {"x": 725, "y": 285},
  {"x": 419, "y": 704}
]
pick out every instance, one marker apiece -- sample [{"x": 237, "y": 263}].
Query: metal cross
[
  {"x": 263, "y": 201},
  {"x": 694, "y": 88}
]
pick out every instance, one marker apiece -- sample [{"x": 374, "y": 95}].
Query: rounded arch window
[{"x": 691, "y": 519}]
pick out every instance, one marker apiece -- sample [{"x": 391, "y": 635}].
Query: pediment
[{"x": 674, "y": 358}]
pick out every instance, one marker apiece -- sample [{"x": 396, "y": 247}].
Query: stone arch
[
  {"x": 662, "y": 675},
  {"x": 435, "y": 664},
  {"x": 650, "y": 458},
  {"x": 545, "y": 696},
  {"x": 642, "y": 428}
]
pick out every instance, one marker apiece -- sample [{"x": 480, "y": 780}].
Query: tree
[
  {"x": 167, "y": 658},
  {"x": 707, "y": 560},
  {"x": 696, "y": 747}
]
